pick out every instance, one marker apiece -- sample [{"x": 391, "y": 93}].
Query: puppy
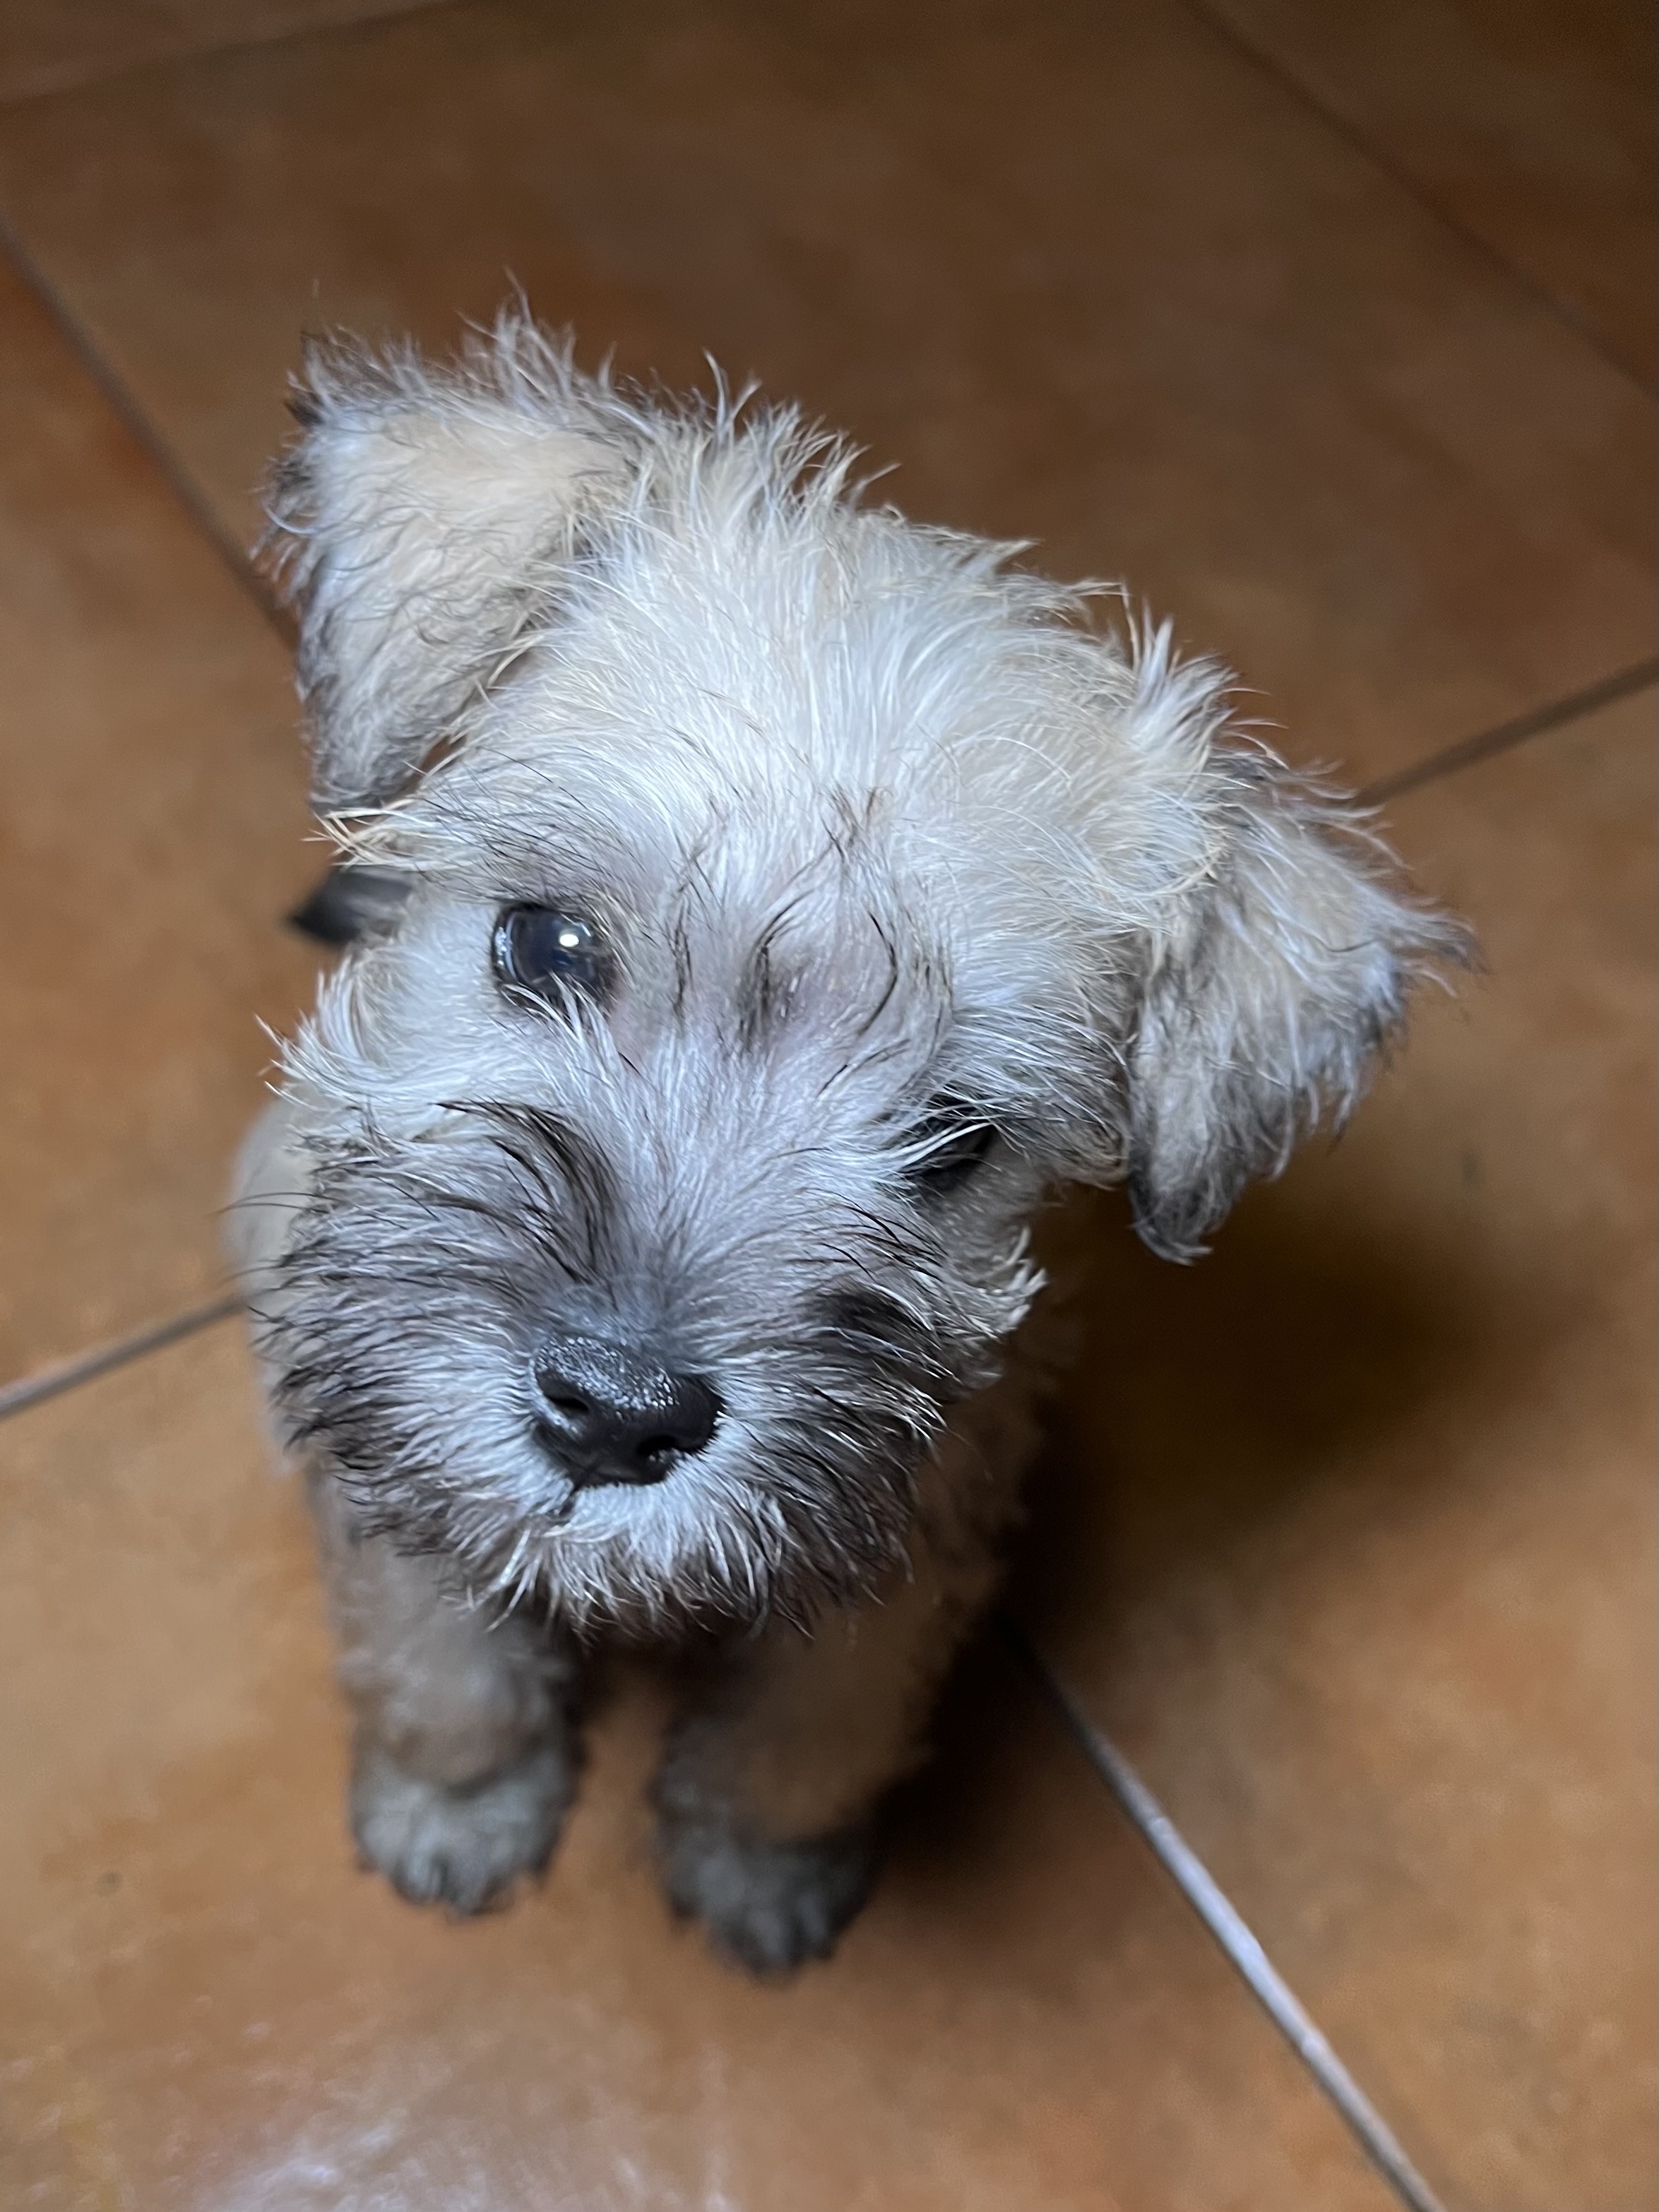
[{"x": 773, "y": 900}]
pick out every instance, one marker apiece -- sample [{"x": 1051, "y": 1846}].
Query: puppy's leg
[
  {"x": 788, "y": 1742},
  {"x": 464, "y": 1753}
]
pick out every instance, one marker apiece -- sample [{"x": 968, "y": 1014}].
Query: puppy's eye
[
  {"x": 958, "y": 1151},
  {"x": 549, "y": 954}
]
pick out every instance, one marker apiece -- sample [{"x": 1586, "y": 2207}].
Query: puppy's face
[
  {"x": 675, "y": 1152},
  {"x": 796, "y": 898}
]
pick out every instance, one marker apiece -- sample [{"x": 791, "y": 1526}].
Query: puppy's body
[{"x": 640, "y": 1243}]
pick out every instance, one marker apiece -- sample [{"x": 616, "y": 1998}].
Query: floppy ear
[
  {"x": 418, "y": 526},
  {"x": 1278, "y": 975}
]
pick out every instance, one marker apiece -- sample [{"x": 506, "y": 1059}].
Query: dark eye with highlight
[
  {"x": 546, "y": 955},
  {"x": 957, "y": 1150}
]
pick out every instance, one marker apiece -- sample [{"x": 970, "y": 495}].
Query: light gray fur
[{"x": 875, "y": 825}]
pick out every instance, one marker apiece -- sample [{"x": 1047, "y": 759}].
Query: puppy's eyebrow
[
  {"x": 758, "y": 992},
  {"x": 679, "y": 944},
  {"x": 891, "y": 985},
  {"x": 762, "y": 993}
]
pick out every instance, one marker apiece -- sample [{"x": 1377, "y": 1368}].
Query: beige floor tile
[
  {"x": 1089, "y": 274},
  {"x": 46, "y": 45},
  {"x": 207, "y": 2007},
  {"x": 1358, "y": 1563},
  {"x": 1531, "y": 122},
  {"x": 151, "y": 841}
]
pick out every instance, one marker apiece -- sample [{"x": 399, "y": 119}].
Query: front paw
[
  {"x": 464, "y": 1846},
  {"x": 768, "y": 1907}
]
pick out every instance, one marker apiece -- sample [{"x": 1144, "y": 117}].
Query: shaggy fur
[{"x": 907, "y": 896}]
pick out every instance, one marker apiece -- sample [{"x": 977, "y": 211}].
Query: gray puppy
[{"x": 639, "y": 1244}]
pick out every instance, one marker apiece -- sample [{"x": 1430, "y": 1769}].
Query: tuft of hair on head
[
  {"x": 419, "y": 524},
  {"x": 427, "y": 519}
]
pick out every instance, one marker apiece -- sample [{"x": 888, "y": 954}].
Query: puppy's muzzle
[{"x": 610, "y": 1414}]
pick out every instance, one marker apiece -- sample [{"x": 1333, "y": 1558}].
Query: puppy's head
[{"x": 792, "y": 896}]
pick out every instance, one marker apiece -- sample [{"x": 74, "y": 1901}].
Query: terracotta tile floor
[{"x": 1327, "y": 329}]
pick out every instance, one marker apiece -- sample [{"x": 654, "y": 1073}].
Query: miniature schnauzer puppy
[{"x": 765, "y": 901}]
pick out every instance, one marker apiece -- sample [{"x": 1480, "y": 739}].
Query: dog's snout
[{"x": 615, "y": 1415}]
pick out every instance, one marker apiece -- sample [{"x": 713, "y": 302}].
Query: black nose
[{"x": 613, "y": 1415}]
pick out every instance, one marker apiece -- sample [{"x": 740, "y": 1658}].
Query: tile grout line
[
  {"x": 1354, "y": 135},
  {"x": 86, "y": 1367},
  {"x": 1231, "y": 1931},
  {"x": 16, "y": 1397},
  {"x": 1503, "y": 736},
  {"x": 138, "y": 426}
]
